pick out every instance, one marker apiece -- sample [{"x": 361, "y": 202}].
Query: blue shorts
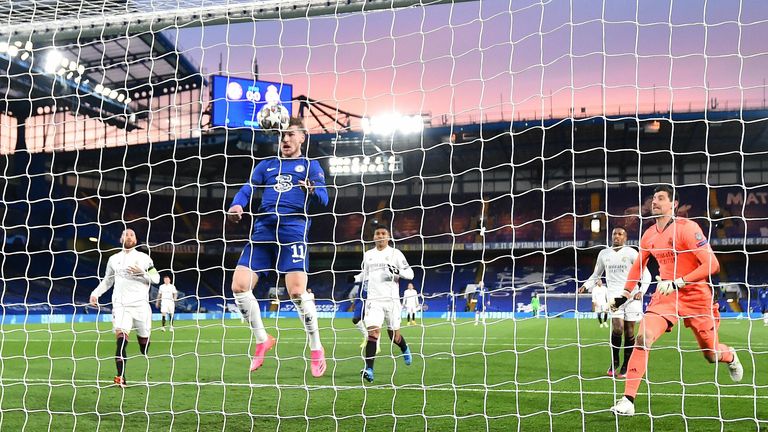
[
  {"x": 358, "y": 313},
  {"x": 480, "y": 305},
  {"x": 276, "y": 246}
]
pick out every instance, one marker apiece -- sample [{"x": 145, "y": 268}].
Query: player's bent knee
[
  {"x": 244, "y": 280},
  {"x": 710, "y": 356}
]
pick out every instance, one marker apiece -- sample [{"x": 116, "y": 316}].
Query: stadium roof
[{"x": 101, "y": 73}]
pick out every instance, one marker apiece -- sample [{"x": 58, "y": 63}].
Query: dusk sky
[{"x": 482, "y": 58}]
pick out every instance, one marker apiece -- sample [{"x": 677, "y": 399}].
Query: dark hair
[
  {"x": 668, "y": 189},
  {"x": 619, "y": 227},
  {"x": 380, "y": 226}
]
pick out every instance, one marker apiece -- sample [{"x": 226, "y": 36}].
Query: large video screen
[{"x": 236, "y": 101}]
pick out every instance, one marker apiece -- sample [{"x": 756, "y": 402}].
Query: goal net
[{"x": 499, "y": 144}]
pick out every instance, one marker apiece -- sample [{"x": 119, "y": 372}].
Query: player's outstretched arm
[
  {"x": 596, "y": 274},
  {"x": 243, "y": 196},
  {"x": 104, "y": 285}
]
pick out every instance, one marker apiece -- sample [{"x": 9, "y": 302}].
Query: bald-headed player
[
  {"x": 686, "y": 262},
  {"x": 131, "y": 272}
]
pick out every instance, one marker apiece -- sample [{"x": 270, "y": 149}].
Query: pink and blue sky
[{"x": 520, "y": 58}]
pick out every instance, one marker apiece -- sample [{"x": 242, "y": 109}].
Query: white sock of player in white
[
  {"x": 361, "y": 326},
  {"x": 305, "y": 305},
  {"x": 249, "y": 307}
]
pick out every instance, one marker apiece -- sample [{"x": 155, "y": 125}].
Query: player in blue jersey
[
  {"x": 763, "y": 297},
  {"x": 482, "y": 299},
  {"x": 290, "y": 184}
]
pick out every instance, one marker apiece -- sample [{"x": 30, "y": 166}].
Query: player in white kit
[
  {"x": 615, "y": 262},
  {"x": 383, "y": 267},
  {"x": 166, "y": 301},
  {"x": 411, "y": 303},
  {"x": 600, "y": 303},
  {"x": 131, "y": 272}
]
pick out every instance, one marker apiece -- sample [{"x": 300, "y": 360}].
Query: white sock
[
  {"x": 363, "y": 330},
  {"x": 308, "y": 315},
  {"x": 249, "y": 307}
]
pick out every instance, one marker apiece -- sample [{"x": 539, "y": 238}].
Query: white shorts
[
  {"x": 629, "y": 311},
  {"x": 602, "y": 307},
  {"x": 380, "y": 311},
  {"x": 126, "y": 318},
  {"x": 167, "y": 307},
  {"x": 411, "y": 309}
]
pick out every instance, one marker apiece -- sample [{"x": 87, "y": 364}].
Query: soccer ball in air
[{"x": 273, "y": 117}]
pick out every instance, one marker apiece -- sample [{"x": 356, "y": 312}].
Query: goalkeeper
[
  {"x": 290, "y": 183},
  {"x": 685, "y": 262}
]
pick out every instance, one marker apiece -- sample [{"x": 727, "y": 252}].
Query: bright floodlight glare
[
  {"x": 365, "y": 123},
  {"x": 595, "y": 225},
  {"x": 389, "y": 124},
  {"x": 52, "y": 61}
]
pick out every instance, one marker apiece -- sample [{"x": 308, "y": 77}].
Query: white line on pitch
[{"x": 409, "y": 387}]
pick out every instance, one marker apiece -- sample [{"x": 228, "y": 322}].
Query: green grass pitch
[{"x": 507, "y": 375}]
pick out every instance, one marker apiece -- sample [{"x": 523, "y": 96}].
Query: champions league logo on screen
[{"x": 242, "y": 103}]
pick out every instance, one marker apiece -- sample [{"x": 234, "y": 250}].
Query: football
[{"x": 273, "y": 117}]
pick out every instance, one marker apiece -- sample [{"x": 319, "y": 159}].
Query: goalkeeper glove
[
  {"x": 618, "y": 301},
  {"x": 665, "y": 287}
]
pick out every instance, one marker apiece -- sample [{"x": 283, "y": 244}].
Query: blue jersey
[
  {"x": 480, "y": 297},
  {"x": 279, "y": 179},
  {"x": 763, "y": 297},
  {"x": 281, "y": 222}
]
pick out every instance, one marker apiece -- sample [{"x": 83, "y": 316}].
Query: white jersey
[
  {"x": 616, "y": 265},
  {"x": 410, "y": 298},
  {"x": 130, "y": 290},
  {"x": 599, "y": 295},
  {"x": 378, "y": 281},
  {"x": 166, "y": 292}
]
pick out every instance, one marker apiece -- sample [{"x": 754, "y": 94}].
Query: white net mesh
[{"x": 499, "y": 142}]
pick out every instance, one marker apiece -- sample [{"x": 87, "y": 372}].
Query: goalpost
[{"x": 499, "y": 142}]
